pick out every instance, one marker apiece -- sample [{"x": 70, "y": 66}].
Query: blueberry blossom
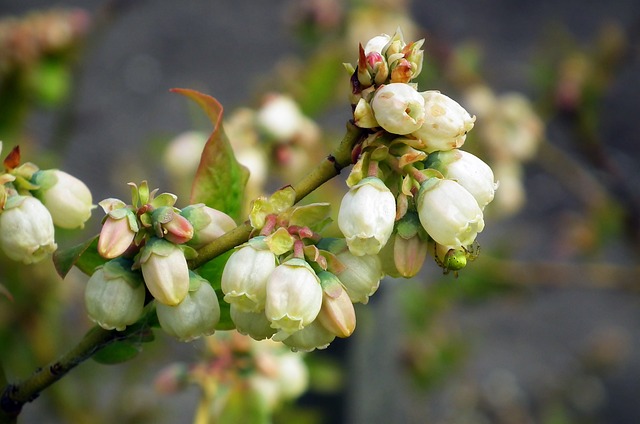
[
  {"x": 445, "y": 122},
  {"x": 294, "y": 296},
  {"x": 366, "y": 216},
  {"x": 245, "y": 275},
  {"x": 449, "y": 213},
  {"x": 468, "y": 170},
  {"x": 196, "y": 316},
  {"x": 67, "y": 198},
  {"x": 118, "y": 230},
  {"x": 165, "y": 271},
  {"x": 114, "y": 296},
  {"x": 26, "y": 230},
  {"x": 399, "y": 108},
  {"x": 361, "y": 274}
]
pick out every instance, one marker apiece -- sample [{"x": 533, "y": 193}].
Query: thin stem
[{"x": 14, "y": 396}]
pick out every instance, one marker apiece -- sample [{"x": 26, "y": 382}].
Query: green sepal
[
  {"x": 315, "y": 216},
  {"x": 280, "y": 241},
  {"x": 164, "y": 200},
  {"x": 331, "y": 284}
]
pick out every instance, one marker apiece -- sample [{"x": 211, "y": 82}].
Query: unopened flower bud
[
  {"x": 116, "y": 235},
  {"x": 253, "y": 324},
  {"x": 366, "y": 216},
  {"x": 26, "y": 230},
  {"x": 208, "y": 224},
  {"x": 376, "y": 44},
  {"x": 245, "y": 275},
  {"x": 402, "y": 71},
  {"x": 445, "y": 122},
  {"x": 377, "y": 67},
  {"x": 171, "y": 226},
  {"x": 468, "y": 170},
  {"x": 67, "y": 198},
  {"x": 196, "y": 316},
  {"x": 165, "y": 271},
  {"x": 362, "y": 274},
  {"x": 337, "y": 313},
  {"x": 313, "y": 336},
  {"x": 294, "y": 296},
  {"x": 399, "y": 108},
  {"x": 114, "y": 295},
  {"x": 409, "y": 255},
  {"x": 449, "y": 213}
]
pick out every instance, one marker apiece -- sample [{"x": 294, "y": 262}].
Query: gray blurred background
[{"x": 521, "y": 347}]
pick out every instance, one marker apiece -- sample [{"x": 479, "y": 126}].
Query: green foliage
[
  {"x": 85, "y": 256},
  {"x": 220, "y": 180}
]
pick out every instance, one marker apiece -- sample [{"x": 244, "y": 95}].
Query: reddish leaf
[
  {"x": 13, "y": 158},
  {"x": 220, "y": 180}
]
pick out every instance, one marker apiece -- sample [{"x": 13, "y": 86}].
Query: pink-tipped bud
[
  {"x": 115, "y": 237},
  {"x": 409, "y": 255},
  {"x": 177, "y": 229},
  {"x": 337, "y": 313}
]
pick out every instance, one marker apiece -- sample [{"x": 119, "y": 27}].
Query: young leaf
[
  {"x": 85, "y": 256},
  {"x": 220, "y": 180}
]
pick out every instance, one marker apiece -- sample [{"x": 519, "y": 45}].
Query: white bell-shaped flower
[
  {"x": 366, "y": 216},
  {"x": 398, "y": 108},
  {"x": 445, "y": 122},
  {"x": 449, "y": 213},
  {"x": 294, "y": 297},
  {"x": 467, "y": 170},
  {"x": 26, "y": 230},
  {"x": 244, "y": 279}
]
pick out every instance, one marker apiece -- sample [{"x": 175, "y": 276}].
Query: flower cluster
[
  {"x": 32, "y": 203},
  {"x": 288, "y": 283},
  {"x": 240, "y": 379},
  {"x": 411, "y": 183},
  {"x": 147, "y": 243}
]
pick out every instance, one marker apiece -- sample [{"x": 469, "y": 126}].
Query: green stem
[{"x": 14, "y": 396}]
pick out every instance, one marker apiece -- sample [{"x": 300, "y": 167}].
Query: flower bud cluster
[
  {"x": 411, "y": 185},
  {"x": 289, "y": 284},
  {"x": 156, "y": 239},
  {"x": 33, "y": 202},
  {"x": 239, "y": 376}
]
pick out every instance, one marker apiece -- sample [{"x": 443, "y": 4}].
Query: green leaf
[
  {"x": 212, "y": 271},
  {"x": 313, "y": 216},
  {"x": 117, "y": 352},
  {"x": 85, "y": 256},
  {"x": 220, "y": 180}
]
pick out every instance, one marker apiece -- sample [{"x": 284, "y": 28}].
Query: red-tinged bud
[
  {"x": 115, "y": 237},
  {"x": 337, "y": 313},
  {"x": 409, "y": 255},
  {"x": 174, "y": 227},
  {"x": 402, "y": 71}
]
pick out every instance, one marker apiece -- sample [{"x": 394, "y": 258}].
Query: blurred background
[{"x": 543, "y": 327}]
